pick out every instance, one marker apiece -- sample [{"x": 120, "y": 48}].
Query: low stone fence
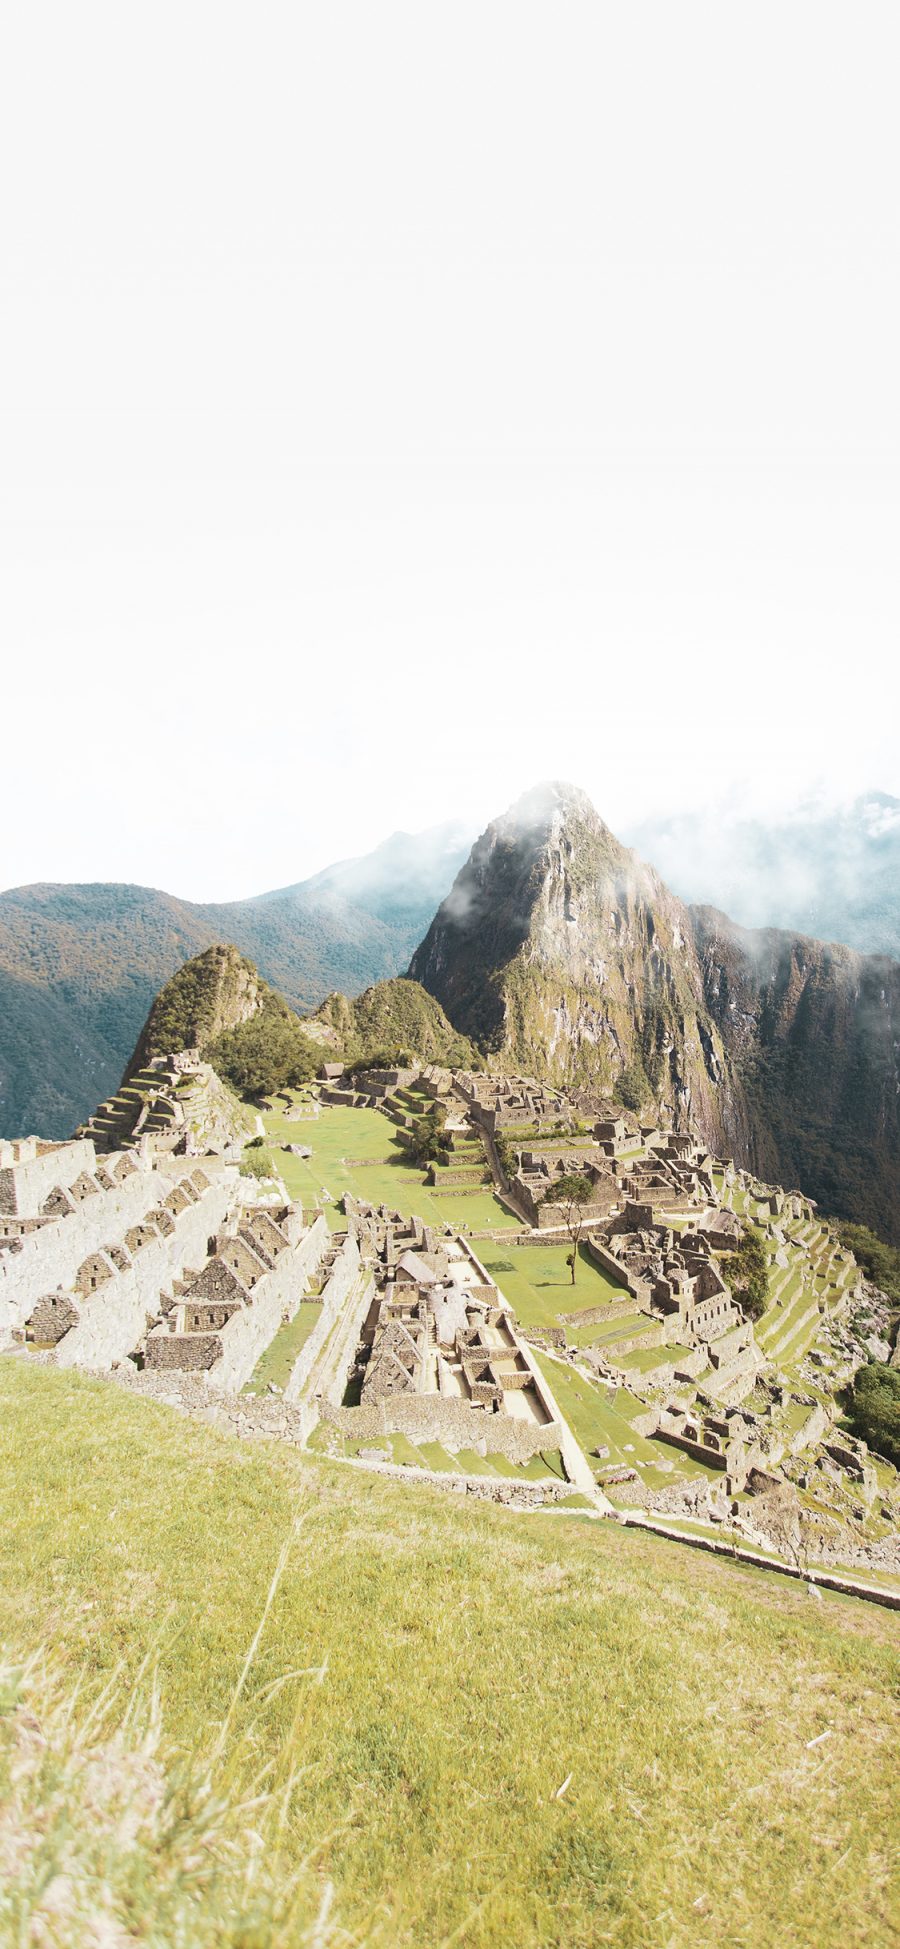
[
  {"x": 814, "y": 1578},
  {"x": 518, "y": 1495},
  {"x": 542, "y": 1336},
  {"x": 650, "y": 1336},
  {"x": 614, "y": 1268},
  {"x": 432, "y": 1417},
  {"x": 616, "y": 1309},
  {"x": 713, "y": 1457}
]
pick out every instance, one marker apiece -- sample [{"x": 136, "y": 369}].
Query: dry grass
[{"x": 106, "y": 1840}]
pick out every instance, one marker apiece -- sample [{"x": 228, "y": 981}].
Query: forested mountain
[{"x": 80, "y": 965}]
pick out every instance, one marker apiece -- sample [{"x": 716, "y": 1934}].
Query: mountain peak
[{"x": 549, "y": 802}]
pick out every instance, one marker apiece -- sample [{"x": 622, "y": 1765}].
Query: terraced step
[{"x": 793, "y": 1328}]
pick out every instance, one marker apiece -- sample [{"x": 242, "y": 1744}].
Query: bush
[
  {"x": 385, "y": 1056},
  {"x": 427, "y": 1142},
  {"x": 256, "y": 1162},
  {"x": 880, "y": 1262},
  {"x": 748, "y": 1271},
  {"x": 269, "y": 1052},
  {"x": 508, "y": 1155},
  {"x": 873, "y": 1411},
  {"x": 633, "y": 1086}
]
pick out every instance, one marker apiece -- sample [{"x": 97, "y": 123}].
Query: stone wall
[
  {"x": 24, "y": 1186},
  {"x": 615, "y": 1268},
  {"x": 713, "y": 1457},
  {"x": 51, "y": 1256},
  {"x": 276, "y": 1297},
  {"x": 113, "y": 1319},
  {"x": 616, "y": 1309},
  {"x": 344, "y": 1275},
  {"x": 433, "y": 1417},
  {"x": 814, "y": 1427}
]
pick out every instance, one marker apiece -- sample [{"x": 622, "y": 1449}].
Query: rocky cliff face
[
  {"x": 566, "y": 957},
  {"x": 813, "y": 1029},
  {"x": 563, "y": 954}
]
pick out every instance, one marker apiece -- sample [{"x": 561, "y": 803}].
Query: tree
[
  {"x": 266, "y": 1053},
  {"x": 880, "y": 1262},
  {"x": 748, "y": 1270},
  {"x": 571, "y": 1192},
  {"x": 427, "y": 1141}
]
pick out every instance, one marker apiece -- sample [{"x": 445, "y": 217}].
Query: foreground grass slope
[{"x": 508, "y": 1729}]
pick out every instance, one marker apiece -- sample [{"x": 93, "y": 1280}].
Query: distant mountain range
[
  {"x": 801, "y": 1032},
  {"x": 80, "y": 965}
]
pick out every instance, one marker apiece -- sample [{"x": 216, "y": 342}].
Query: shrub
[
  {"x": 880, "y": 1262},
  {"x": 873, "y": 1410},
  {"x": 427, "y": 1142},
  {"x": 267, "y": 1053},
  {"x": 633, "y": 1086},
  {"x": 257, "y": 1162}
]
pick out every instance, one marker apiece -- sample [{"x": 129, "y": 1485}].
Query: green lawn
[
  {"x": 537, "y": 1282},
  {"x": 433, "y": 1455},
  {"x": 339, "y": 1136},
  {"x": 644, "y": 1359},
  {"x": 495, "y": 1729},
  {"x": 598, "y": 1422}
]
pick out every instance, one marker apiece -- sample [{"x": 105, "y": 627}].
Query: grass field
[
  {"x": 598, "y": 1422},
  {"x": 433, "y": 1455},
  {"x": 496, "y": 1729},
  {"x": 537, "y": 1282},
  {"x": 358, "y": 1151}
]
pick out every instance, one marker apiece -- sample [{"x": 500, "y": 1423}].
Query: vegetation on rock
[
  {"x": 748, "y": 1274},
  {"x": 257, "y": 1162},
  {"x": 427, "y": 1141},
  {"x": 390, "y": 1025},
  {"x": 268, "y": 1052},
  {"x": 880, "y": 1262}
]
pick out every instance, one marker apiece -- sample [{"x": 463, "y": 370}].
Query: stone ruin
[
  {"x": 438, "y": 1326},
  {"x": 125, "y": 1257}
]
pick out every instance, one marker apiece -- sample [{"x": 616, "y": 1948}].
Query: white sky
[{"x": 402, "y": 404}]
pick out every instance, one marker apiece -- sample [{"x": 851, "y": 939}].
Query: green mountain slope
[
  {"x": 389, "y": 1019},
  {"x": 566, "y": 956}
]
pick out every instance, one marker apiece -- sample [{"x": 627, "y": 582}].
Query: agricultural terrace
[{"x": 802, "y": 1292}]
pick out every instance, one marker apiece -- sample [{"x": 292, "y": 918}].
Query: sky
[{"x": 403, "y": 404}]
